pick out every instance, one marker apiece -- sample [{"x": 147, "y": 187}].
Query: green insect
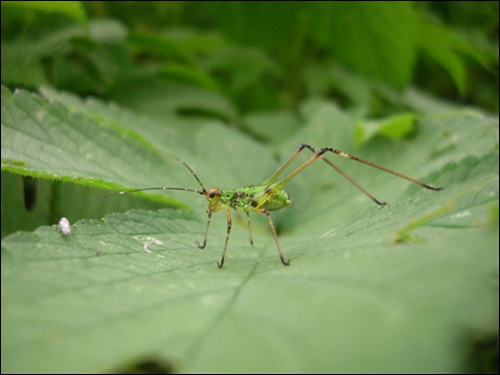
[{"x": 269, "y": 195}]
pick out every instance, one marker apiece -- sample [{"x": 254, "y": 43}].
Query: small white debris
[
  {"x": 147, "y": 241},
  {"x": 150, "y": 241},
  {"x": 65, "y": 226},
  {"x": 460, "y": 215}
]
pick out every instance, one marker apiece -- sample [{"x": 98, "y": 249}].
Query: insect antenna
[
  {"x": 190, "y": 170},
  {"x": 131, "y": 191}
]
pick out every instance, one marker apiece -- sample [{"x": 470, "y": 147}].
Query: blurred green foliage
[{"x": 230, "y": 60}]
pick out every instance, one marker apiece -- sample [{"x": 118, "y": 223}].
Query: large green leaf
[
  {"x": 376, "y": 39},
  {"x": 396, "y": 288},
  {"x": 70, "y": 141}
]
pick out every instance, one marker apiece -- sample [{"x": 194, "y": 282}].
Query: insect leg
[
  {"x": 273, "y": 178},
  {"x": 229, "y": 224},
  {"x": 374, "y": 165},
  {"x": 319, "y": 155},
  {"x": 349, "y": 178},
  {"x": 210, "y": 212},
  {"x": 249, "y": 228},
  {"x": 273, "y": 229}
]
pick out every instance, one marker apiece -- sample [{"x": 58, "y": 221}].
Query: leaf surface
[{"x": 393, "y": 283}]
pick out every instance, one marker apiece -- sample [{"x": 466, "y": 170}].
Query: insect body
[
  {"x": 258, "y": 199},
  {"x": 269, "y": 196}
]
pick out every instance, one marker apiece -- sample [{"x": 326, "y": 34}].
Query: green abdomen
[
  {"x": 255, "y": 198},
  {"x": 279, "y": 200}
]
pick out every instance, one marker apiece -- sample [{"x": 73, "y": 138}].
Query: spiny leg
[
  {"x": 375, "y": 165},
  {"x": 276, "y": 186},
  {"x": 229, "y": 225},
  {"x": 319, "y": 154},
  {"x": 275, "y": 235},
  {"x": 276, "y": 174},
  {"x": 249, "y": 228},
  {"x": 347, "y": 177},
  {"x": 206, "y": 231}
]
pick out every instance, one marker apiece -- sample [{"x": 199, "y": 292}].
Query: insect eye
[{"x": 213, "y": 193}]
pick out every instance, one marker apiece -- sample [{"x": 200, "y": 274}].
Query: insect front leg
[
  {"x": 275, "y": 235},
  {"x": 210, "y": 212},
  {"x": 229, "y": 225}
]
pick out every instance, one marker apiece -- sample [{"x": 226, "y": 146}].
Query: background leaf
[
  {"x": 384, "y": 37},
  {"x": 71, "y": 9}
]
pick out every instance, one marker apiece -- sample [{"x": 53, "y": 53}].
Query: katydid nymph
[{"x": 269, "y": 195}]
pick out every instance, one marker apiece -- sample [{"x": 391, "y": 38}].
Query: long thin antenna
[
  {"x": 124, "y": 192},
  {"x": 189, "y": 169},
  {"x": 142, "y": 189}
]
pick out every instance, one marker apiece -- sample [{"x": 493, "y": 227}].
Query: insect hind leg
[
  {"x": 346, "y": 155},
  {"x": 344, "y": 174},
  {"x": 317, "y": 155},
  {"x": 202, "y": 246}
]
